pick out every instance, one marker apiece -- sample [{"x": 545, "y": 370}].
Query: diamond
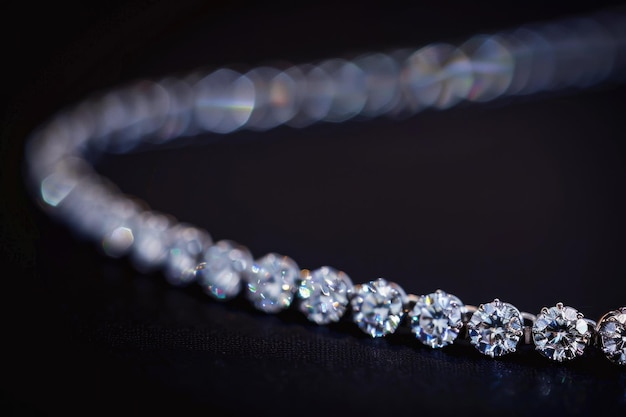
[
  {"x": 492, "y": 67},
  {"x": 437, "y": 318},
  {"x": 224, "y": 100},
  {"x": 324, "y": 294},
  {"x": 186, "y": 248},
  {"x": 495, "y": 328},
  {"x": 437, "y": 75},
  {"x": 220, "y": 272},
  {"x": 560, "y": 333},
  {"x": 272, "y": 282},
  {"x": 612, "y": 332},
  {"x": 150, "y": 248},
  {"x": 378, "y": 307},
  {"x": 113, "y": 225}
]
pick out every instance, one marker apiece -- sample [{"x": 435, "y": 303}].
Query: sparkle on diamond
[
  {"x": 560, "y": 333},
  {"x": 437, "y": 318},
  {"x": 495, "y": 328},
  {"x": 272, "y": 282},
  {"x": 612, "y": 331},
  {"x": 324, "y": 294},
  {"x": 378, "y": 307}
]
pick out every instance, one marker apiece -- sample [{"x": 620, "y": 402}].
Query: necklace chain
[{"x": 563, "y": 54}]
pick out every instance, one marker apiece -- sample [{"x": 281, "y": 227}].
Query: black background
[{"x": 519, "y": 199}]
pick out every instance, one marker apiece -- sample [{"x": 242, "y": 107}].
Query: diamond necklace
[{"x": 578, "y": 53}]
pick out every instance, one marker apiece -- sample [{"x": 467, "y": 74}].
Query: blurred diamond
[
  {"x": 324, "y": 294},
  {"x": 220, "y": 272},
  {"x": 272, "y": 282},
  {"x": 185, "y": 251},
  {"x": 378, "y": 307},
  {"x": 151, "y": 244}
]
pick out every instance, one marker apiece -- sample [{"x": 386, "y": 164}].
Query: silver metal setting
[{"x": 529, "y": 321}]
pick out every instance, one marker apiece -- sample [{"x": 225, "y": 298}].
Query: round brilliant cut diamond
[
  {"x": 116, "y": 225},
  {"x": 324, "y": 294},
  {"x": 272, "y": 282},
  {"x": 185, "y": 250},
  {"x": 378, "y": 307},
  {"x": 495, "y": 328},
  {"x": 561, "y": 333},
  {"x": 436, "y": 319},
  {"x": 612, "y": 332},
  {"x": 220, "y": 272},
  {"x": 151, "y": 235}
]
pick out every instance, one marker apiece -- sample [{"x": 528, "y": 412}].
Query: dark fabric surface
[{"x": 518, "y": 199}]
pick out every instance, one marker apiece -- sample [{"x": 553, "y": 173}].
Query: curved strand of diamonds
[{"x": 570, "y": 53}]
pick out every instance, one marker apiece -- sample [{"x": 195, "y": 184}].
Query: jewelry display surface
[{"x": 383, "y": 197}]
